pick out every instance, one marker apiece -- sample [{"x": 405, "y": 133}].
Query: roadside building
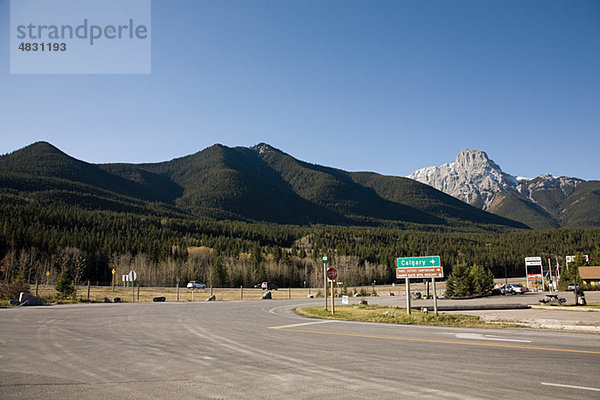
[{"x": 590, "y": 275}]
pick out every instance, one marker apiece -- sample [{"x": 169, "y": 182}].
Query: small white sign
[
  {"x": 533, "y": 261},
  {"x": 344, "y": 299},
  {"x": 132, "y": 276}
]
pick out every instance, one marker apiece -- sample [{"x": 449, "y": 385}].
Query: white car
[
  {"x": 196, "y": 285},
  {"x": 513, "y": 289}
]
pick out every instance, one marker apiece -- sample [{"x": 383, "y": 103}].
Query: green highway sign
[{"x": 414, "y": 262}]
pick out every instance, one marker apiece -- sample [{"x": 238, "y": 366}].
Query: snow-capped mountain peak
[
  {"x": 477, "y": 180},
  {"x": 473, "y": 178}
]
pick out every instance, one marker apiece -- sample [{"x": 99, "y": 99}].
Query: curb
[
  {"x": 574, "y": 326},
  {"x": 559, "y": 308}
]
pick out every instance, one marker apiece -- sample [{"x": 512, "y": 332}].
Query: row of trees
[{"x": 35, "y": 241}]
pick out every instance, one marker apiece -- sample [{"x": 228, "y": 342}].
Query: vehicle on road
[
  {"x": 268, "y": 286},
  {"x": 196, "y": 285}
]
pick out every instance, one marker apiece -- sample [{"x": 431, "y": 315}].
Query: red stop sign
[{"x": 332, "y": 274}]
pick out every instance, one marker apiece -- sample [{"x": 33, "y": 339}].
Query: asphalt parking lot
[{"x": 264, "y": 350}]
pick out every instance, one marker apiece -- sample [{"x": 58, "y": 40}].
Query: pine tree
[
  {"x": 64, "y": 285},
  {"x": 459, "y": 283},
  {"x": 218, "y": 274},
  {"x": 482, "y": 280}
]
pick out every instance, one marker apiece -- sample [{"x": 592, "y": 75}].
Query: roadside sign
[
  {"x": 114, "y": 271},
  {"x": 325, "y": 260},
  {"x": 132, "y": 276},
  {"x": 533, "y": 261},
  {"x": 345, "y": 300},
  {"x": 425, "y": 272},
  {"x": 414, "y": 262},
  {"x": 332, "y": 274},
  {"x": 47, "y": 273},
  {"x": 419, "y": 267}
]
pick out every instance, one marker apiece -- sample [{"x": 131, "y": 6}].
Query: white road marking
[
  {"x": 479, "y": 336},
  {"x": 272, "y": 310},
  {"x": 304, "y": 324},
  {"x": 571, "y": 386}
]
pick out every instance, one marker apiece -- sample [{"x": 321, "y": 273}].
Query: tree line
[{"x": 39, "y": 243}]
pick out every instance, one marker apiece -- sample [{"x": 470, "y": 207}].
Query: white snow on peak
[
  {"x": 473, "y": 178},
  {"x": 477, "y": 180}
]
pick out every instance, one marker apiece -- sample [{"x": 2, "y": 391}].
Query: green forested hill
[
  {"x": 519, "y": 209},
  {"x": 582, "y": 207},
  {"x": 237, "y": 216},
  {"x": 248, "y": 184}
]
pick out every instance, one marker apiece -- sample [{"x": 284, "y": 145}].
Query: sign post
[
  {"x": 419, "y": 267},
  {"x": 325, "y": 280},
  {"x": 132, "y": 277},
  {"x": 332, "y": 276},
  {"x": 434, "y": 297},
  {"x": 113, "y": 279},
  {"x": 407, "y": 284}
]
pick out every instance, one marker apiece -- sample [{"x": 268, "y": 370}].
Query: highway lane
[{"x": 263, "y": 350}]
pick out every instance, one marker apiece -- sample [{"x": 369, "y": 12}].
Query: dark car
[{"x": 268, "y": 286}]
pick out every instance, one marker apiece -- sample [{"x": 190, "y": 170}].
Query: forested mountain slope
[{"x": 259, "y": 183}]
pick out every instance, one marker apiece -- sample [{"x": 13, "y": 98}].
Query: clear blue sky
[{"x": 384, "y": 86}]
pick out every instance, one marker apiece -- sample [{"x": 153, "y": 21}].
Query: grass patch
[
  {"x": 588, "y": 305},
  {"x": 391, "y": 315}
]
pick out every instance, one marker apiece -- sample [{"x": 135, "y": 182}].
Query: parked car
[
  {"x": 571, "y": 287},
  {"x": 520, "y": 289},
  {"x": 513, "y": 288},
  {"x": 268, "y": 286},
  {"x": 196, "y": 285}
]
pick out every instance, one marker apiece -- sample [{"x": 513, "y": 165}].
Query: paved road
[{"x": 262, "y": 350}]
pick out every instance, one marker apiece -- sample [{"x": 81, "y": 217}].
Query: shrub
[
  {"x": 65, "y": 285},
  {"x": 11, "y": 290}
]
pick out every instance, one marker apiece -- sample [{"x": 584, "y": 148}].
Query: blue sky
[{"x": 384, "y": 86}]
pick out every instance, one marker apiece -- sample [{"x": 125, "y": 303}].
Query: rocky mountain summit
[
  {"x": 472, "y": 178},
  {"x": 545, "y": 201}
]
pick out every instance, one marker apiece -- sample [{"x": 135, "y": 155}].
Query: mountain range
[
  {"x": 258, "y": 183},
  {"x": 543, "y": 202}
]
